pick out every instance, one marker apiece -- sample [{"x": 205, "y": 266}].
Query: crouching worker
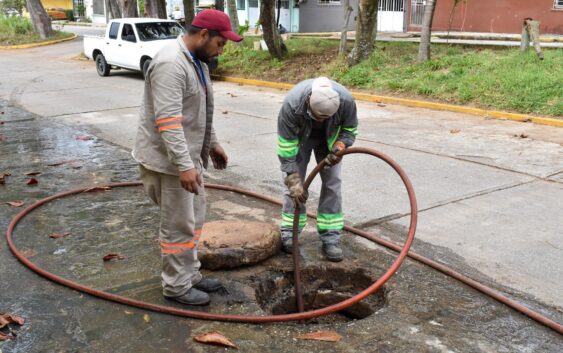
[
  {"x": 175, "y": 139},
  {"x": 318, "y": 115}
]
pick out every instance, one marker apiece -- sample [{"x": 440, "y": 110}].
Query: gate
[{"x": 391, "y": 15}]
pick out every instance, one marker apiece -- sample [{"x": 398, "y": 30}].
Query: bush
[
  {"x": 15, "y": 25},
  {"x": 69, "y": 15}
]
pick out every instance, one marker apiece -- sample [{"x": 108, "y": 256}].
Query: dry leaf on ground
[
  {"x": 84, "y": 138},
  {"x": 454, "y": 131},
  {"x": 4, "y": 337},
  {"x": 112, "y": 256},
  {"x": 147, "y": 318},
  {"x": 15, "y": 203},
  {"x": 6, "y": 319},
  {"x": 215, "y": 338},
  {"x": 328, "y": 336},
  {"x": 27, "y": 253},
  {"x": 33, "y": 173},
  {"x": 32, "y": 181},
  {"x": 58, "y": 235}
]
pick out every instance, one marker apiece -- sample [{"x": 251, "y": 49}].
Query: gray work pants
[
  {"x": 330, "y": 219},
  {"x": 182, "y": 215}
]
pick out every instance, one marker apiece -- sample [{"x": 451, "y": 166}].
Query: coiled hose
[{"x": 403, "y": 252}]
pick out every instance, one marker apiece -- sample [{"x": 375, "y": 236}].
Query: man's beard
[{"x": 201, "y": 53}]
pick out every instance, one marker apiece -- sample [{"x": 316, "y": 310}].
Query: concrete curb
[
  {"x": 411, "y": 103},
  {"x": 32, "y": 45}
]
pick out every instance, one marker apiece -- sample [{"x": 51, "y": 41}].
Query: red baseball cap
[{"x": 216, "y": 20}]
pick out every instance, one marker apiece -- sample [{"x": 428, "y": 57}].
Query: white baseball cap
[{"x": 324, "y": 100}]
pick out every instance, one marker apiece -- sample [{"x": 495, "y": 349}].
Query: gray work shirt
[{"x": 175, "y": 131}]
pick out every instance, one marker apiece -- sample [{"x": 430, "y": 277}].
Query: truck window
[
  {"x": 158, "y": 30},
  {"x": 113, "y": 30},
  {"x": 127, "y": 33}
]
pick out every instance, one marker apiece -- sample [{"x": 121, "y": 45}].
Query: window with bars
[
  {"x": 558, "y": 4},
  {"x": 241, "y": 4},
  {"x": 252, "y": 3},
  {"x": 391, "y": 5},
  {"x": 328, "y": 2}
]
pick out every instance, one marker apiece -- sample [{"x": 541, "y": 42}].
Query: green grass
[
  {"x": 501, "y": 79},
  {"x": 19, "y": 30}
]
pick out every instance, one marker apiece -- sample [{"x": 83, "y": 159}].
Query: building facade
[{"x": 498, "y": 16}]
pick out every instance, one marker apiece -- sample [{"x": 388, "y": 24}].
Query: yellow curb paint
[
  {"x": 410, "y": 103},
  {"x": 32, "y": 45}
]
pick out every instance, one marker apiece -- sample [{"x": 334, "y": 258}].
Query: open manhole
[{"x": 322, "y": 286}]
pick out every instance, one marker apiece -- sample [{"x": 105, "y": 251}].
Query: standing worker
[
  {"x": 317, "y": 115},
  {"x": 175, "y": 139}
]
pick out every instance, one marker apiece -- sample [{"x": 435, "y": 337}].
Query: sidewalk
[{"x": 467, "y": 38}]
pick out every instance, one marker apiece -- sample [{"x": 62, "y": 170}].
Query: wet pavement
[{"x": 419, "y": 310}]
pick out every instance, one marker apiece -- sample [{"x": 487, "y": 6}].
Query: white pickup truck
[{"x": 130, "y": 43}]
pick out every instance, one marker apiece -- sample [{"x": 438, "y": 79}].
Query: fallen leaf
[
  {"x": 454, "y": 131},
  {"x": 15, "y": 203},
  {"x": 98, "y": 188},
  {"x": 232, "y": 95},
  {"x": 27, "y": 253},
  {"x": 523, "y": 136},
  {"x": 32, "y": 181},
  {"x": 6, "y": 319},
  {"x": 84, "y": 138},
  {"x": 328, "y": 336},
  {"x": 32, "y": 173},
  {"x": 215, "y": 338},
  {"x": 4, "y": 337},
  {"x": 147, "y": 318},
  {"x": 58, "y": 235},
  {"x": 128, "y": 312},
  {"x": 112, "y": 256},
  {"x": 381, "y": 105},
  {"x": 225, "y": 112}
]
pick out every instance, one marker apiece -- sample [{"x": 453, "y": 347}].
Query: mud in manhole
[{"x": 322, "y": 286}]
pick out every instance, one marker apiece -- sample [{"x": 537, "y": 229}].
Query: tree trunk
[
  {"x": 271, "y": 35},
  {"x": 233, "y": 14},
  {"x": 220, "y": 5},
  {"x": 129, "y": 8},
  {"x": 41, "y": 22},
  {"x": 344, "y": 34},
  {"x": 366, "y": 30},
  {"x": 426, "y": 31},
  {"x": 278, "y": 13},
  {"x": 189, "y": 11},
  {"x": 162, "y": 9},
  {"x": 112, "y": 10},
  {"x": 155, "y": 8}
]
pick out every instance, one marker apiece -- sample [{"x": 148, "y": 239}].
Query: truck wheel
[
  {"x": 145, "y": 68},
  {"x": 102, "y": 66}
]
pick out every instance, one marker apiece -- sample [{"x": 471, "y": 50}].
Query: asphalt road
[{"x": 490, "y": 192}]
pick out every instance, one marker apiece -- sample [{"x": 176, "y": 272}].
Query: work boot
[
  {"x": 287, "y": 245},
  {"x": 208, "y": 285},
  {"x": 192, "y": 297},
  {"x": 333, "y": 252}
]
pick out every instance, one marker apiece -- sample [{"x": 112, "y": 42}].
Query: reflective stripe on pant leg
[{"x": 177, "y": 231}]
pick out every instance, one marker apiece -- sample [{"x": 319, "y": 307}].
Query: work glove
[
  {"x": 332, "y": 159},
  {"x": 296, "y": 191}
]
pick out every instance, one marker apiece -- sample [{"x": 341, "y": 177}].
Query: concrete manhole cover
[
  {"x": 322, "y": 286},
  {"x": 230, "y": 244}
]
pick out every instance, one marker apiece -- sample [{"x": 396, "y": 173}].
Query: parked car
[
  {"x": 56, "y": 13},
  {"x": 130, "y": 43}
]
